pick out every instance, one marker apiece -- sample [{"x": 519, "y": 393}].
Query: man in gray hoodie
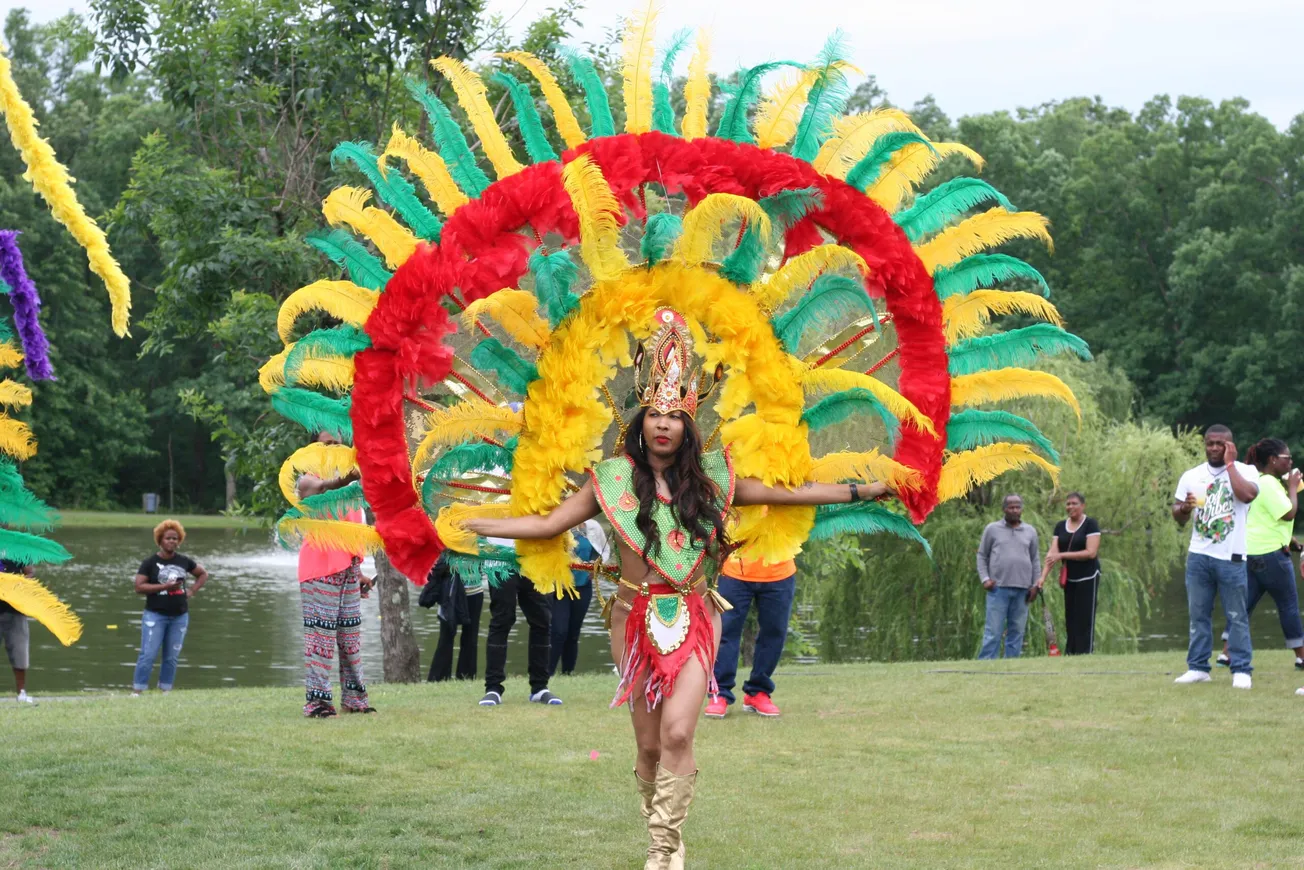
[{"x": 1008, "y": 558}]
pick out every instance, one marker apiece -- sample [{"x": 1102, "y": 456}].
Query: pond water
[{"x": 246, "y": 626}]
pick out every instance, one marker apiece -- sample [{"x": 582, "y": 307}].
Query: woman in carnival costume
[{"x": 669, "y": 503}]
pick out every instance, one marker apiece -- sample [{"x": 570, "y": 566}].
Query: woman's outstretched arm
[
  {"x": 750, "y": 491},
  {"x": 581, "y": 506}
]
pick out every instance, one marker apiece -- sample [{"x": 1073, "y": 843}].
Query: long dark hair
[
  {"x": 1262, "y": 451},
  {"x": 695, "y": 499}
]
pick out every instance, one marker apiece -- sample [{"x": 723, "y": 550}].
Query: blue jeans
[
  {"x": 167, "y": 633},
  {"x": 773, "y": 609},
  {"x": 1205, "y": 576},
  {"x": 1007, "y": 614},
  {"x": 1274, "y": 575}
]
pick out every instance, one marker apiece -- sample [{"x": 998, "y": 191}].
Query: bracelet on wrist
[{"x": 855, "y": 493}]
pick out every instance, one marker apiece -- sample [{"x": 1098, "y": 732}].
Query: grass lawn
[
  {"x": 1098, "y": 762},
  {"x": 132, "y": 520}
]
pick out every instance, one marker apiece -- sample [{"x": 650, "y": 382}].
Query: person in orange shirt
[{"x": 772, "y": 587}]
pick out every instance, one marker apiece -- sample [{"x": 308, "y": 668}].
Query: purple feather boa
[{"x": 27, "y": 308}]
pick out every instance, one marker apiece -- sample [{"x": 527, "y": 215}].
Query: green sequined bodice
[{"x": 679, "y": 556}]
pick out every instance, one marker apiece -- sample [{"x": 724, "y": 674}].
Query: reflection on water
[{"x": 246, "y": 627}]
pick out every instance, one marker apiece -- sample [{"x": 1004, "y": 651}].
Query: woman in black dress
[{"x": 1074, "y": 551}]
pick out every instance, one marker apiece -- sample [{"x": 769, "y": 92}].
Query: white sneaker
[
  {"x": 1194, "y": 677},
  {"x": 24, "y": 698},
  {"x": 1241, "y": 681},
  {"x": 1299, "y": 691}
]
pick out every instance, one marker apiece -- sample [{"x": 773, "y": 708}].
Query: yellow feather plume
[
  {"x": 963, "y": 471},
  {"x": 704, "y": 225},
  {"x": 348, "y": 205},
  {"x": 14, "y": 394},
  {"x": 427, "y": 166},
  {"x": 637, "y": 69},
  {"x": 16, "y": 438},
  {"x": 1003, "y": 385},
  {"x": 910, "y": 166},
  {"x": 980, "y": 232},
  {"x": 471, "y": 96},
  {"x": 836, "y": 380},
  {"x": 326, "y": 371},
  {"x": 516, "y": 311},
  {"x": 697, "y": 89},
  {"x": 32, "y": 599},
  {"x": 968, "y": 315},
  {"x": 801, "y": 270},
  {"x": 330, "y": 534},
  {"x": 327, "y": 461},
  {"x": 568, "y": 126},
  {"x": 463, "y": 422},
  {"x": 868, "y": 466},
  {"x": 10, "y": 356},
  {"x": 449, "y": 523},
  {"x": 342, "y": 299},
  {"x": 854, "y": 134},
  {"x": 597, "y": 208},
  {"x": 778, "y": 115},
  {"x": 51, "y": 180},
  {"x": 271, "y": 376}
]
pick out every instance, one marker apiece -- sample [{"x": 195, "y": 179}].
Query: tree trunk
[
  {"x": 402, "y": 656},
  {"x": 230, "y": 483}
]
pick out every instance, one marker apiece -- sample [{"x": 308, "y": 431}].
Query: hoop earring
[{"x": 641, "y": 448}]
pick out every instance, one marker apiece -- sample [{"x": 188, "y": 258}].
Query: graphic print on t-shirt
[
  {"x": 168, "y": 573},
  {"x": 1216, "y": 520}
]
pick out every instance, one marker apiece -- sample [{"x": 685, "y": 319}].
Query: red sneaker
[
  {"x": 716, "y": 707},
  {"x": 760, "y": 703}
]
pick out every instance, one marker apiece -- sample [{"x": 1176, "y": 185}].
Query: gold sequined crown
[{"x": 671, "y": 382}]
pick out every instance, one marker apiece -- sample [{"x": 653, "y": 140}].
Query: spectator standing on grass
[
  {"x": 1008, "y": 560},
  {"x": 458, "y": 608},
  {"x": 15, "y": 633},
  {"x": 568, "y": 613},
  {"x": 1268, "y": 528},
  {"x": 771, "y": 588},
  {"x": 162, "y": 580},
  {"x": 1217, "y": 493},
  {"x": 1074, "y": 555}
]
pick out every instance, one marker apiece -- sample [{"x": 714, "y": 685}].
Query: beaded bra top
[{"x": 679, "y": 556}]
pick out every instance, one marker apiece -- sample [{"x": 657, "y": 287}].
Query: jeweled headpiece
[{"x": 670, "y": 382}]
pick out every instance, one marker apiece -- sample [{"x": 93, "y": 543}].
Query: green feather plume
[
  {"x": 527, "y": 117},
  {"x": 513, "y": 373},
  {"x": 975, "y": 428},
  {"x": 663, "y": 112},
  {"x": 452, "y": 144},
  {"x": 335, "y": 503},
  {"x": 495, "y": 570},
  {"x": 842, "y": 405},
  {"x": 1015, "y": 348},
  {"x": 344, "y": 340},
  {"x": 315, "y": 412},
  {"x": 28, "y": 549},
  {"x": 663, "y": 230},
  {"x": 365, "y": 268},
  {"x": 553, "y": 276},
  {"x": 595, "y": 93},
  {"x": 735, "y": 121},
  {"x": 864, "y": 518},
  {"x": 985, "y": 270},
  {"x": 827, "y": 98},
  {"x": 19, "y": 508},
  {"x": 785, "y": 209},
  {"x": 473, "y": 456},
  {"x": 831, "y": 299},
  {"x": 392, "y": 188},
  {"x": 933, "y": 211},
  {"x": 6, "y": 331},
  {"x": 867, "y": 170}
]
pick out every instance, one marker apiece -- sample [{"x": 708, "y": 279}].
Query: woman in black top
[
  {"x": 162, "y": 580},
  {"x": 1074, "y": 550}
]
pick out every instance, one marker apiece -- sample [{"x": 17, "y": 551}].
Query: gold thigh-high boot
[{"x": 669, "y": 809}]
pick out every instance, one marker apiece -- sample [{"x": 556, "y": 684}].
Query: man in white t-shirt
[{"x": 1218, "y": 494}]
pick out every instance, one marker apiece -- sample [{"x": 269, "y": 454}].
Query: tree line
[{"x": 201, "y": 134}]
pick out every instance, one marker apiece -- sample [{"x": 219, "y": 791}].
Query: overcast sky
[{"x": 1000, "y": 54}]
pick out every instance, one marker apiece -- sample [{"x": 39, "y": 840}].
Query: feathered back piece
[{"x": 845, "y": 303}]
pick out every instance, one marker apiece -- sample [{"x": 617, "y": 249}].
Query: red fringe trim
[{"x": 641, "y": 657}]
